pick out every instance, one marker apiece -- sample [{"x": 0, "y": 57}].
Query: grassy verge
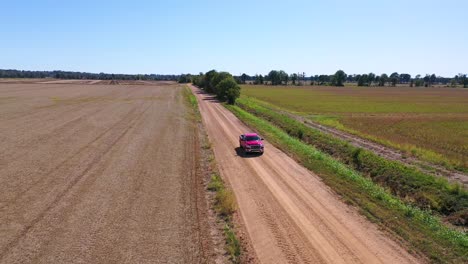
[
  {"x": 423, "y": 231},
  {"x": 225, "y": 206},
  {"x": 224, "y": 202}
]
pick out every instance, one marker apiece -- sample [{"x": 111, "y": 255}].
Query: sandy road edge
[{"x": 210, "y": 168}]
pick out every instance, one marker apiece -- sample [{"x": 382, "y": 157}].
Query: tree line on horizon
[
  {"x": 85, "y": 75},
  {"x": 280, "y": 77},
  {"x": 274, "y": 77}
]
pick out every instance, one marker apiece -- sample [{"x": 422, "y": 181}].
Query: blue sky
[{"x": 316, "y": 37}]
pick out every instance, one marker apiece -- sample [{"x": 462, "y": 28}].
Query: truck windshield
[{"x": 252, "y": 138}]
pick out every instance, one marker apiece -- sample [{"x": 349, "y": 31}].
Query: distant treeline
[
  {"x": 280, "y": 77},
  {"x": 85, "y": 75},
  {"x": 274, "y": 77}
]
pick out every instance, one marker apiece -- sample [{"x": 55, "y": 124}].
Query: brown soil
[
  {"x": 290, "y": 215},
  {"x": 100, "y": 174}
]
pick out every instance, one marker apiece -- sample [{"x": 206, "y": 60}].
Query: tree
[
  {"x": 405, "y": 78},
  {"x": 284, "y": 77},
  {"x": 217, "y": 78},
  {"x": 228, "y": 90},
  {"x": 199, "y": 80},
  {"x": 243, "y": 78},
  {"x": 256, "y": 79},
  {"x": 377, "y": 79},
  {"x": 383, "y": 79},
  {"x": 184, "y": 78},
  {"x": 363, "y": 80},
  {"x": 274, "y": 77},
  {"x": 427, "y": 80},
  {"x": 463, "y": 80},
  {"x": 356, "y": 77},
  {"x": 394, "y": 78},
  {"x": 370, "y": 78},
  {"x": 208, "y": 78},
  {"x": 339, "y": 78},
  {"x": 260, "y": 79},
  {"x": 293, "y": 78},
  {"x": 453, "y": 83},
  {"x": 419, "y": 82},
  {"x": 433, "y": 79}
]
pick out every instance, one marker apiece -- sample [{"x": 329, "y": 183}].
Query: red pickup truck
[{"x": 251, "y": 142}]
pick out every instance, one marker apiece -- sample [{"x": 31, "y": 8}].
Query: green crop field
[{"x": 431, "y": 123}]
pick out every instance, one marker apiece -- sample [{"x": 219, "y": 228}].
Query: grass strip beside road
[
  {"x": 225, "y": 206},
  {"x": 423, "y": 231}
]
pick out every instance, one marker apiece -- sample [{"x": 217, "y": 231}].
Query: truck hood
[{"x": 254, "y": 142}]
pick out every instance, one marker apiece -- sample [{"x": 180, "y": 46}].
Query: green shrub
[
  {"x": 215, "y": 183},
  {"x": 233, "y": 246}
]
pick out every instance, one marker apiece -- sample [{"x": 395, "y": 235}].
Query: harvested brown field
[{"x": 99, "y": 174}]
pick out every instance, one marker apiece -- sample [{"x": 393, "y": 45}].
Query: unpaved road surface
[
  {"x": 289, "y": 214},
  {"x": 98, "y": 174}
]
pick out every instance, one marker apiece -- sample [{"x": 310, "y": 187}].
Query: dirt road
[
  {"x": 98, "y": 174},
  {"x": 289, "y": 214}
]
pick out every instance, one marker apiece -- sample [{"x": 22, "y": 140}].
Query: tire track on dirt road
[{"x": 290, "y": 215}]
